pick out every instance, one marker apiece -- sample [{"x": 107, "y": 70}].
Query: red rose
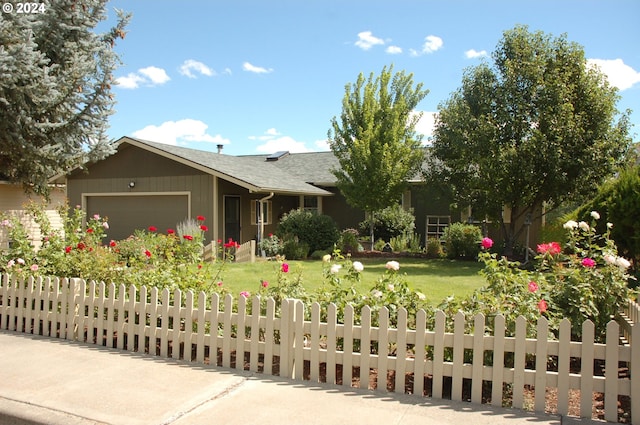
[
  {"x": 200, "y": 218},
  {"x": 153, "y": 229},
  {"x": 204, "y": 228}
]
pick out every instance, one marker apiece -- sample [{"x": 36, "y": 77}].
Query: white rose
[
  {"x": 595, "y": 214},
  {"x": 392, "y": 265},
  {"x": 335, "y": 268},
  {"x": 583, "y": 225},
  {"x": 623, "y": 263},
  {"x": 357, "y": 266},
  {"x": 569, "y": 225}
]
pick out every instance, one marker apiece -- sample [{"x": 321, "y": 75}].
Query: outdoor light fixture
[{"x": 132, "y": 184}]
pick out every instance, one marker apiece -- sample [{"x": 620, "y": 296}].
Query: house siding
[
  {"x": 336, "y": 206},
  {"x": 153, "y": 176},
  {"x": 13, "y": 201}
]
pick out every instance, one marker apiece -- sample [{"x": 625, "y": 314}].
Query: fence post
[
  {"x": 634, "y": 368},
  {"x": 286, "y": 338}
]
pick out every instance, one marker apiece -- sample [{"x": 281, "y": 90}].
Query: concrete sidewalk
[{"x": 57, "y": 382}]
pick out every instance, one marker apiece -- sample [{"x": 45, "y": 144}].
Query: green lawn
[{"x": 437, "y": 279}]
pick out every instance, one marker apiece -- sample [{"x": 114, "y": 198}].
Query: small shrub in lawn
[
  {"x": 389, "y": 222},
  {"x": 462, "y": 241},
  {"x": 434, "y": 248},
  {"x": 271, "y": 245},
  {"x": 348, "y": 241},
  {"x": 317, "y": 231}
]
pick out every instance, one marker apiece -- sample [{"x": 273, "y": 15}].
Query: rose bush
[
  {"x": 81, "y": 249},
  {"x": 585, "y": 279}
]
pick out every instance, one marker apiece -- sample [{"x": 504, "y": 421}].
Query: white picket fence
[
  {"x": 245, "y": 253},
  {"x": 263, "y": 337}
]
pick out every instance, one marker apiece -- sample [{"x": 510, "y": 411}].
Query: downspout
[{"x": 261, "y": 224}]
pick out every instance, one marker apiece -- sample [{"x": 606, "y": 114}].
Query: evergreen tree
[{"x": 56, "y": 74}]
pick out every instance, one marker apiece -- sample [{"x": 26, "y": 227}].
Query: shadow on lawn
[{"x": 428, "y": 267}]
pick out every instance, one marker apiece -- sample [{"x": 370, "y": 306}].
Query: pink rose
[
  {"x": 486, "y": 243},
  {"x": 588, "y": 262}
]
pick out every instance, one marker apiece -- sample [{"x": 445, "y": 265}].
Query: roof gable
[{"x": 245, "y": 171}]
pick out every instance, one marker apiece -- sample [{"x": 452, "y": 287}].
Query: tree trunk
[{"x": 371, "y": 227}]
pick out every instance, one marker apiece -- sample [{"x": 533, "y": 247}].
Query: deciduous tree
[
  {"x": 537, "y": 128},
  {"x": 375, "y": 139}
]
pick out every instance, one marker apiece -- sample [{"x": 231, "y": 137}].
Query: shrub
[
  {"x": 585, "y": 279},
  {"x": 271, "y": 245},
  {"x": 316, "y": 231},
  {"x": 462, "y": 241},
  {"x": 618, "y": 201},
  {"x": 390, "y": 222},
  {"x": 348, "y": 241},
  {"x": 294, "y": 249},
  {"x": 434, "y": 248},
  {"x": 145, "y": 258}
]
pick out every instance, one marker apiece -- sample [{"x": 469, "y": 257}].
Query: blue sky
[{"x": 263, "y": 76}]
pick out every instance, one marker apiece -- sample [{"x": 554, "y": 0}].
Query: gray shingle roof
[
  {"x": 251, "y": 172},
  {"x": 310, "y": 167}
]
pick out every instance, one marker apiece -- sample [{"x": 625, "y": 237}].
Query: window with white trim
[{"x": 266, "y": 212}]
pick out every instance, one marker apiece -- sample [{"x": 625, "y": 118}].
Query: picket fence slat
[{"x": 259, "y": 335}]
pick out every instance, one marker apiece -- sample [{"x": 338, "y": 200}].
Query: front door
[{"x": 232, "y": 218}]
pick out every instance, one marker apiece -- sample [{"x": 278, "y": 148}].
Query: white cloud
[
  {"x": 274, "y": 141},
  {"x": 190, "y": 66},
  {"x": 393, "y": 50},
  {"x": 284, "y": 143},
  {"x": 322, "y": 145},
  {"x": 432, "y": 43},
  {"x": 367, "y": 40},
  {"x": 256, "y": 69},
  {"x": 426, "y": 124},
  {"x": 131, "y": 81},
  {"x": 472, "y": 53},
  {"x": 179, "y": 132},
  {"x": 272, "y": 132},
  {"x": 155, "y": 74},
  {"x": 618, "y": 73},
  {"x": 149, "y": 76}
]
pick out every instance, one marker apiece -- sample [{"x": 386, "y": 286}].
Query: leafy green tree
[
  {"x": 538, "y": 128},
  {"x": 56, "y": 74},
  {"x": 375, "y": 139}
]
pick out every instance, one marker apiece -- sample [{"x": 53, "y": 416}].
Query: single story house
[{"x": 242, "y": 197}]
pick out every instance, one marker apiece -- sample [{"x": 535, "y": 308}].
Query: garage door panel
[{"x": 128, "y": 213}]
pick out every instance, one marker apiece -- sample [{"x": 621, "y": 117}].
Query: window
[
  {"x": 436, "y": 225},
  {"x": 266, "y": 210},
  {"x": 311, "y": 203}
]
